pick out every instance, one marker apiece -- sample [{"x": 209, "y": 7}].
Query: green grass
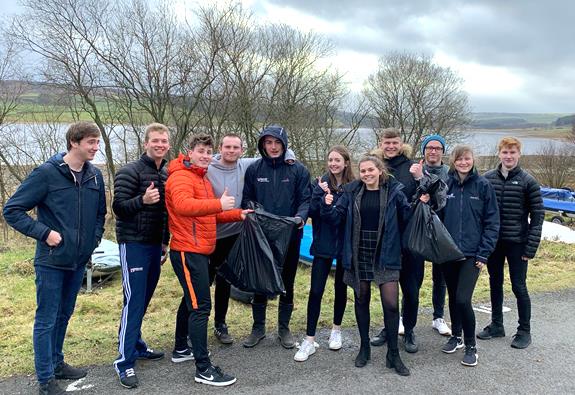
[{"x": 92, "y": 332}]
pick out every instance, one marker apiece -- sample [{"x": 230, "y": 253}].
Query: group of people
[{"x": 195, "y": 204}]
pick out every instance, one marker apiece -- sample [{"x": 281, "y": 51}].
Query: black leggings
[
  {"x": 461, "y": 277},
  {"x": 389, "y": 300},
  {"x": 319, "y": 273}
]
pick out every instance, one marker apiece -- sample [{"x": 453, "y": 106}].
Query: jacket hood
[
  {"x": 182, "y": 163},
  {"x": 57, "y": 161},
  {"x": 406, "y": 150},
  {"x": 279, "y": 132}
]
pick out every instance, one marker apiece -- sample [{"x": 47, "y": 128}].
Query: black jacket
[
  {"x": 399, "y": 168},
  {"x": 136, "y": 221},
  {"x": 326, "y": 237},
  {"x": 76, "y": 211},
  {"x": 281, "y": 188},
  {"x": 471, "y": 215},
  {"x": 518, "y": 197}
]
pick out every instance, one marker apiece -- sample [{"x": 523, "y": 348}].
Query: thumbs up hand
[
  {"x": 152, "y": 195},
  {"x": 328, "y": 199},
  {"x": 228, "y": 202},
  {"x": 323, "y": 185},
  {"x": 416, "y": 170}
]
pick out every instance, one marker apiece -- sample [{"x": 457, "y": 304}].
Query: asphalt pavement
[{"x": 546, "y": 367}]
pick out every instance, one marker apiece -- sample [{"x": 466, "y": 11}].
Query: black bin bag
[
  {"x": 255, "y": 262},
  {"x": 428, "y": 237}
]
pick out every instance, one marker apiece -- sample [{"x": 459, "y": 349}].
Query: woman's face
[
  {"x": 335, "y": 163},
  {"x": 369, "y": 174},
  {"x": 464, "y": 163}
]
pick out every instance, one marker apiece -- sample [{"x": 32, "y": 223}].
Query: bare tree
[
  {"x": 554, "y": 165},
  {"x": 418, "y": 97}
]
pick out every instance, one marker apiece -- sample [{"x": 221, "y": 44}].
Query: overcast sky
[{"x": 514, "y": 55}]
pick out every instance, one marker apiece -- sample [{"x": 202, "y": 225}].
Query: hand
[
  {"x": 424, "y": 198},
  {"x": 416, "y": 170},
  {"x": 300, "y": 222},
  {"x": 164, "y": 254},
  {"x": 479, "y": 265},
  {"x": 245, "y": 213},
  {"x": 322, "y": 185},
  {"x": 328, "y": 199},
  {"x": 152, "y": 195},
  {"x": 228, "y": 202},
  {"x": 54, "y": 239}
]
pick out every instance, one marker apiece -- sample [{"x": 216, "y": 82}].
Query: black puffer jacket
[
  {"x": 518, "y": 197},
  {"x": 136, "y": 221},
  {"x": 399, "y": 168}
]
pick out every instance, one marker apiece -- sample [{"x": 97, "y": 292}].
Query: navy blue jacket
[
  {"x": 326, "y": 237},
  {"x": 75, "y": 211},
  {"x": 396, "y": 217},
  {"x": 471, "y": 215},
  {"x": 281, "y": 188},
  {"x": 399, "y": 168}
]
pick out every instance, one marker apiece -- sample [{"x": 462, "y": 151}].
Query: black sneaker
[
  {"x": 128, "y": 378},
  {"x": 491, "y": 331},
  {"x": 183, "y": 355},
  {"x": 409, "y": 343},
  {"x": 221, "y": 332},
  {"x": 379, "y": 339},
  {"x": 51, "y": 388},
  {"x": 151, "y": 355},
  {"x": 521, "y": 340},
  {"x": 470, "y": 356},
  {"x": 67, "y": 372},
  {"x": 213, "y": 375},
  {"x": 453, "y": 344}
]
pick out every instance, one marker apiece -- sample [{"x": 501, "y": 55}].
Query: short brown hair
[
  {"x": 508, "y": 142},
  {"x": 201, "y": 138},
  {"x": 155, "y": 127},
  {"x": 378, "y": 163},
  {"x": 457, "y": 152},
  {"x": 234, "y": 135},
  {"x": 79, "y": 131},
  {"x": 390, "y": 133}
]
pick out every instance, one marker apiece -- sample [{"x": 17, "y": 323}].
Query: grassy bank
[{"x": 93, "y": 329}]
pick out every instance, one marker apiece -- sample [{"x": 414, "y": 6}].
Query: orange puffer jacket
[{"x": 193, "y": 210}]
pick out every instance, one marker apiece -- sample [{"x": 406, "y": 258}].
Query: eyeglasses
[{"x": 438, "y": 149}]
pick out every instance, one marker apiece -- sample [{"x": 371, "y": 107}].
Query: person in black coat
[
  {"x": 374, "y": 212},
  {"x": 522, "y": 214},
  {"x": 325, "y": 247},
  {"x": 141, "y": 231},
  {"x": 471, "y": 216}
]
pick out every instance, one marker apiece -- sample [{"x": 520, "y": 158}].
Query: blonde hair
[
  {"x": 508, "y": 142},
  {"x": 459, "y": 151}
]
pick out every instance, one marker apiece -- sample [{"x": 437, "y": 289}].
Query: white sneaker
[
  {"x": 335, "y": 340},
  {"x": 440, "y": 326},
  {"x": 401, "y": 329},
  {"x": 306, "y": 349}
]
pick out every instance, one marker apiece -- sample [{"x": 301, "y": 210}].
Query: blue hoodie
[
  {"x": 281, "y": 188},
  {"x": 75, "y": 211}
]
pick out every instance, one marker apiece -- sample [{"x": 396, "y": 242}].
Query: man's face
[
  {"x": 273, "y": 147},
  {"x": 231, "y": 149},
  {"x": 433, "y": 153},
  {"x": 86, "y": 148},
  {"x": 391, "y": 146},
  {"x": 201, "y": 155},
  {"x": 509, "y": 157},
  {"x": 158, "y": 145}
]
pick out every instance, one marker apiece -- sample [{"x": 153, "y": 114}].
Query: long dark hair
[{"x": 347, "y": 174}]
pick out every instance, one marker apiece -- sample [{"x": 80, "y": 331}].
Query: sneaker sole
[
  {"x": 444, "y": 333},
  {"x": 226, "y": 342},
  {"x": 471, "y": 364},
  {"x": 490, "y": 337},
  {"x": 180, "y": 360},
  {"x": 337, "y": 348},
  {"x": 64, "y": 377},
  {"x": 303, "y": 360},
  {"x": 452, "y": 351},
  {"x": 254, "y": 344},
  {"x": 150, "y": 359},
  {"x": 215, "y": 384},
  {"x": 128, "y": 386},
  {"x": 520, "y": 348}
]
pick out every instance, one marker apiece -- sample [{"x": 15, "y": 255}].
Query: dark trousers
[
  {"x": 461, "y": 277},
  {"x": 320, "y": 270},
  {"x": 140, "y": 274},
  {"x": 56, "y": 292},
  {"x": 222, "y": 288},
  {"x": 518, "y": 276},
  {"x": 410, "y": 280},
  {"x": 192, "y": 271},
  {"x": 288, "y": 273},
  {"x": 438, "y": 291}
]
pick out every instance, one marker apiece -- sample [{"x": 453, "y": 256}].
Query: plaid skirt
[{"x": 366, "y": 254}]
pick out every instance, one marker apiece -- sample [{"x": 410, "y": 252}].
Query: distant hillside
[
  {"x": 565, "y": 121},
  {"x": 495, "y": 120}
]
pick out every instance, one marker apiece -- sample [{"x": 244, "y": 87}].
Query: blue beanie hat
[{"x": 433, "y": 137}]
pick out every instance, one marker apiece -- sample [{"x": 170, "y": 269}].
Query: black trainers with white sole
[
  {"x": 182, "y": 355},
  {"x": 453, "y": 344},
  {"x": 128, "y": 378},
  {"x": 151, "y": 355},
  {"x": 470, "y": 356},
  {"x": 213, "y": 375}
]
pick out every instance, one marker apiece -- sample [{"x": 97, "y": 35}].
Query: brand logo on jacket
[
  {"x": 263, "y": 179},
  {"x": 285, "y": 180},
  {"x": 450, "y": 196},
  {"x": 136, "y": 269},
  {"x": 474, "y": 198}
]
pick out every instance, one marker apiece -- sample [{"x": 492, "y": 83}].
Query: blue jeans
[{"x": 56, "y": 292}]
